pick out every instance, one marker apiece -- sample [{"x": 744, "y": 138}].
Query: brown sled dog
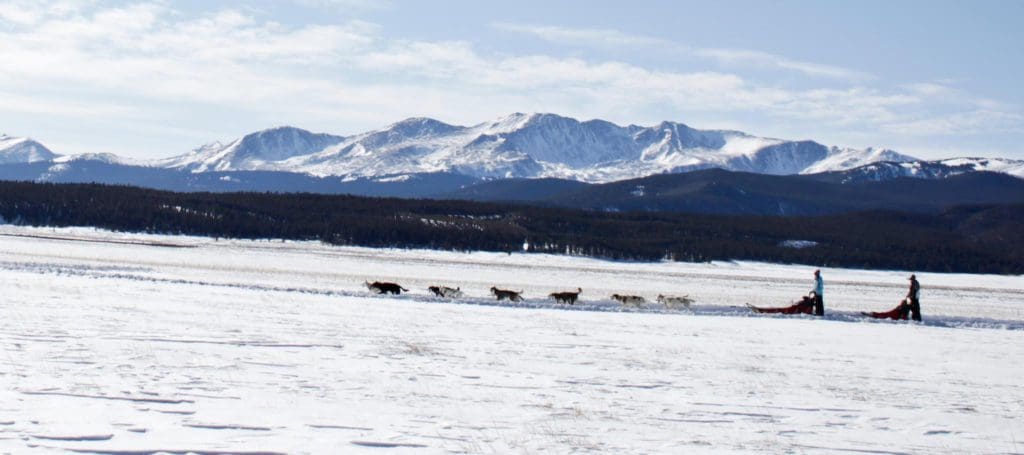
[
  {"x": 384, "y": 287},
  {"x": 502, "y": 294},
  {"x": 566, "y": 297}
]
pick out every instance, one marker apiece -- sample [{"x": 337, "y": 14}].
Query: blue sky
[{"x": 157, "y": 78}]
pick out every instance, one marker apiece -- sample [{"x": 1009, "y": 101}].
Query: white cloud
[
  {"x": 346, "y": 4},
  {"x": 15, "y": 14},
  {"x": 979, "y": 121},
  {"x": 764, "y": 59},
  {"x": 615, "y": 38},
  {"x": 10, "y": 101},
  {"x": 930, "y": 89},
  {"x": 590, "y": 36},
  {"x": 30, "y": 12},
  {"x": 142, "y": 50}
]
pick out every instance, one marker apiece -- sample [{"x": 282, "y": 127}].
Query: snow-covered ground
[{"x": 133, "y": 344}]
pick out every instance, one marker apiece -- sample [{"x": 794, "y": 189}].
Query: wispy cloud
[
  {"x": 589, "y": 36},
  {"x": 978, "y": 121},
  {"x": 28, "y": 12},
  {"x": 53, "y": 106},
  {"x": 346, "y": 4},
  {"x": 610, "y": 37},
  {"x": 764, "y": 59}
]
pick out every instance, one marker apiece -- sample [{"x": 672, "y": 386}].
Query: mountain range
[
  {"x": 522, "y": 146},
  {"x": 422, "y": 157}
]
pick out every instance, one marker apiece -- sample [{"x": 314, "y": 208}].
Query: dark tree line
[{"x": 982, "y": 239}]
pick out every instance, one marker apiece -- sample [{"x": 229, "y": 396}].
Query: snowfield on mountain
[{"x": 145, "y": 344}]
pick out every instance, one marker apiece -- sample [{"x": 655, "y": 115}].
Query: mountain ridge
[
  {"x": 519, "y": 145},
  {"x": 536, "y": 145}
]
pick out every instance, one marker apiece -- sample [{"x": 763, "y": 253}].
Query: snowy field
[{"x": 132, "y": 344}]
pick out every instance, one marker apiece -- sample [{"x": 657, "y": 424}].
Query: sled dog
[
  {"x": 502, "y": 294},
  {"x": 566, "y": 297},
  {"x": 671, "y": 301},
  {"x": 384, "y": 287},
  {"x": 629, "y": 300},
  {"x": 445, "y": 291}
]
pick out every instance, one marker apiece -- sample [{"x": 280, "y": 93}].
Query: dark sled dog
[
  {"x": 502, "y": 294},
  {"x": 384, "y": 287},
  {"x": 566, "y": 297}
]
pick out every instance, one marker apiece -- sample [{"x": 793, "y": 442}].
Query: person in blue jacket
[{"x": 819, "y": 294}]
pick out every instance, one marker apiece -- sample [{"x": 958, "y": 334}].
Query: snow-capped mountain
[
  {"x": 1003, "y": 165},
  {"x": 106, "y": 158},
  {"x": 522, "y": 146},
  {"x": 23, "y": 150},
  {"x": 256, "y": 151},
  {"x": 939, "y": 169}
]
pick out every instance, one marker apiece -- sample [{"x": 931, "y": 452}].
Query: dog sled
[
  {"x": 804, "y": 306},
  {"x": 900, "y": 313}
]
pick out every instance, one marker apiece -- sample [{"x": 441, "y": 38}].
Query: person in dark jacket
[
  {"x": 913, "y": 295},
  {"x": 819, "y": 294}
]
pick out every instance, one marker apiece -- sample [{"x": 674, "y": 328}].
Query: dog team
[
  {"x": 569, "y": 297},
  {"x": 812, "y": 303}
]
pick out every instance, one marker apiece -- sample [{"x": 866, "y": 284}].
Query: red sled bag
[
  {"x": 804, "y": 306},
  {"x": 899, "y": 313}
]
